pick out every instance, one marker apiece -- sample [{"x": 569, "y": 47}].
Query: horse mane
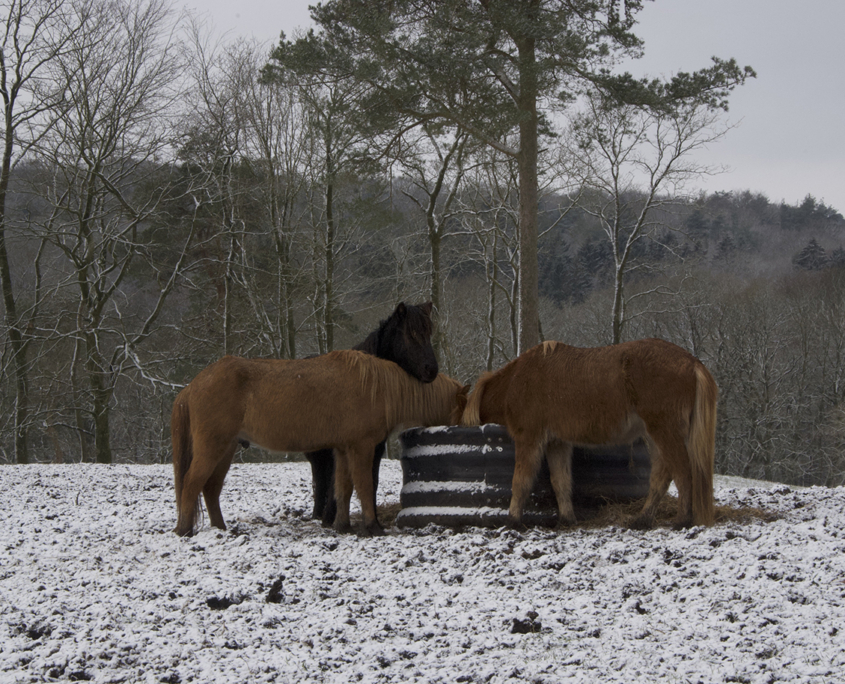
[
  {"x": 549, "y": 346},
  {"x": 401, "y": 393}
]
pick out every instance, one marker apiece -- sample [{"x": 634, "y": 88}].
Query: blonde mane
[
  {"x": 402, "y": 394},
  {"x": 549, "y": 346}
]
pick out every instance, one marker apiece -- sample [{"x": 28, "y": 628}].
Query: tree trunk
[
  {"x": 436, "y": 292},
  {"x": 328, "y": 287},
  {"x": 16, "y": 336},
  {"x": 287, "y": 332},
  {"x": 231, "y": 252},
  {"x": 328, "y": 255},
  {"x": 618, "y": 313},
  {"x": 228, "y": 287},
  {"x": 492, "y": 274},
  {"x": 100, "y": 395},
  {"x": 285, "y": 321},
  {"x": 528, "y": 302}
]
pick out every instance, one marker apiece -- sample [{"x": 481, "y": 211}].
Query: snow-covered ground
[{"x": 94, "y": 586}]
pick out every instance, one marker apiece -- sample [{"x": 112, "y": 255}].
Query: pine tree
[
  {"x": 812, "y": 258},
  {"x": 491, "y": 67}
]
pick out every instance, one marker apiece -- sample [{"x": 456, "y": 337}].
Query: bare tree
[
  {"x": 277, "y": 146},
  {"x": 35, "y": 32},
  {"x": 105, "y": 154},
  {"x": 213, "y": 148},
  {"x": 435, "y": 164},
  {"x": 635, "y": 161}
]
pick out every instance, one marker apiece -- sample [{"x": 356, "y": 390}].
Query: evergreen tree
[
  {"x": 492, "y": 67},
  {"x": 595, "y": 261},
  {"x": 560, "y": 278},
  {"x": 725, "y": 248},
  {"x": 812, "y": 258},
  {"x": 698, "y": 227}
]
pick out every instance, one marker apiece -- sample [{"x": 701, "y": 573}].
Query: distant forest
[{"x": 176, "y": 210}]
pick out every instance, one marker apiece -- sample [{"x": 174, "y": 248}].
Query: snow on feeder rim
[{"x": 456, "y": 476}]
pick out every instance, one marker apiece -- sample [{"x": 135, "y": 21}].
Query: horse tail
[
  {"x": 702, "y": 445},
  {"x": 182, "y": 444},
  {"x": 472, "y": 412}
]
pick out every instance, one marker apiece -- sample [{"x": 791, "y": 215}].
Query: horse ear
[
  {"x": 427, "y": 307},
  {"x": 401, "y": 310}
]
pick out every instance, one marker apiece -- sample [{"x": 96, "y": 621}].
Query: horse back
[
  {"x": 599, "y": 394},
  {"x": 660, "y": 376},
  {"x": 285, "y": 405}
]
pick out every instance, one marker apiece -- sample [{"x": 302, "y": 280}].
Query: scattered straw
[{"x": 618, "y": 514}]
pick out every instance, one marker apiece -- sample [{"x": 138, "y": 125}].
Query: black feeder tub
[{"x": 458, "y": 476}]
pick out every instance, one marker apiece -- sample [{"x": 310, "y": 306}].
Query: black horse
[{"x": 404, "y": 338}]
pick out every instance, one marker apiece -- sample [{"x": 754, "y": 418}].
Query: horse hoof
[
  {"x": 640, "y": 522},
  {"x": 516, "y": 524},
  {"x": 682, "y": 524},
  {"x": 184, "y": 533},
  {"x": 565, "y": 523},
  {"x": 342, "y": 529},
  {"x": 374, "y": 530}
]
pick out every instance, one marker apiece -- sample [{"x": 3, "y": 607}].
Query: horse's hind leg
[
  {"x": 213, "y": 487},
  {"x": 559, "y": 458},
  {"x": 342, "y": 491},
  {"x": 676, "y": 458},
  {"x": 207, "y": 458},
  {"x": 665, "y": 452},
  {"x": 528, "y": 459}
]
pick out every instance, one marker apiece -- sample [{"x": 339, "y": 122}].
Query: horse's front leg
[
  {"x": 360, "y": 459},
  {"x": 342, "y": 491},
  {"x": 322, "y": 483},
  {"x": 559, "y": 458},
  {"x": 378, "y": 454},
  {"x": 528, "y": 455}
]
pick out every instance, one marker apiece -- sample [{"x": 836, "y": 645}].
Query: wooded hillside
[{"x": 171, "y": 204}]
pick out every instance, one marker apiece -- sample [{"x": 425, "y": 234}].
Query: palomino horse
[
  {"x": 404, "y": 338},
  {"x": 554, "y": 396},
  {"x": 345, "y": 400}
]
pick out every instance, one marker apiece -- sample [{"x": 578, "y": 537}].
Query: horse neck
[
  {"x": 378, "y": 342},
  {"x": 409, "y": 401}
]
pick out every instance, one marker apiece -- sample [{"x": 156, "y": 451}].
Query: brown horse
[
  {"x": 554, "y": 396},
  {"x": 404, "y": 337},
  {"x": 345, "y": 400}
]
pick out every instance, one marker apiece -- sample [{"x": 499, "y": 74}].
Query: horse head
[{"x": 405, "y": 339}]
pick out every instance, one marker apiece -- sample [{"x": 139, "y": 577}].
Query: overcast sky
[{"x": 789, "y": 141}]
